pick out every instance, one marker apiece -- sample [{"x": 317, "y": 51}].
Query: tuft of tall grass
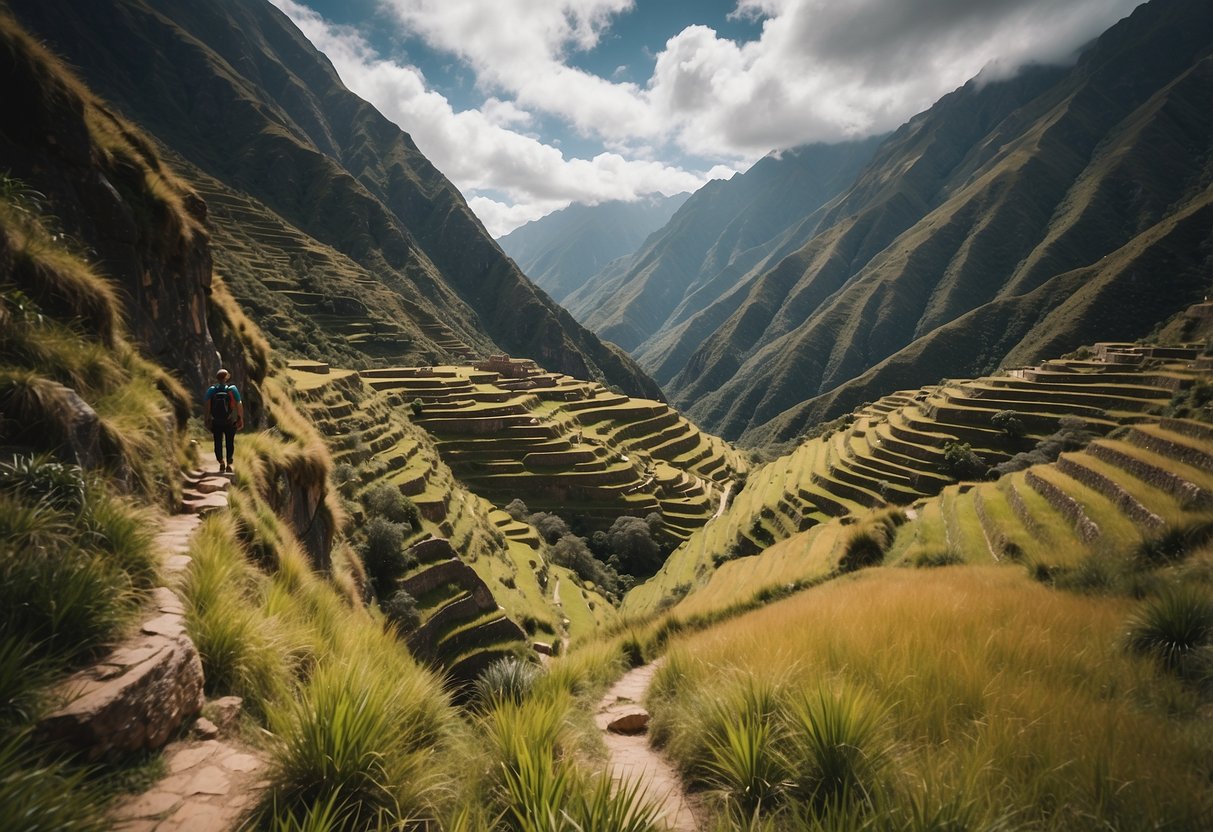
[
  {"x": 837, "y": 745},
  {"x": 24, "y": 672},
  {"x": 508, "y": 679},
  {"x": 358, "y": 736},
  {"x": 40, "y": 796},
  {"x": 1176, "y": 629},
  {"x": 744, "y": 765},
  {"x": 58, "y": 587},
  {"x": 241, "y": 652}
]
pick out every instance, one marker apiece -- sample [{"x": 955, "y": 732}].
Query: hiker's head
[{"x": 222, "y": 375}]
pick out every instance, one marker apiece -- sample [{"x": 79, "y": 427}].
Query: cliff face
[
  {"x": 129, "y": 269},
  {"x": 319, "y": 199},
  {"x": 139, "y": 224}
]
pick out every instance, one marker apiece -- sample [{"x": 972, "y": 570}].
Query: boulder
[
  {"x": 137, "y": 696},
  {"x": 633, "y": 722}
]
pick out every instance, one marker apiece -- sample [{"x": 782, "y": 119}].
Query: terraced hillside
[
  {"x": 905, "y": 447},
  {"x": 563, "y": 445},
  {"x": 480, "y": 579},
  {"x": 310, "y": 299}
]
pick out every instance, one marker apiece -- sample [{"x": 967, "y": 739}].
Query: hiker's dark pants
[{"x": 220, "y": 433}]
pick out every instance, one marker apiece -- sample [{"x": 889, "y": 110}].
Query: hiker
[{"x": 224, "y": 416}]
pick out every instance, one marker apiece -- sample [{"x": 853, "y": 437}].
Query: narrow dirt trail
[
  {"x": 632, "y": 759},
  {"x": 210, "y": 782}
]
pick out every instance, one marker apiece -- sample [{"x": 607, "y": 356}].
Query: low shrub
[
  {"x": 508, "y": 679},
  {"x": 864, "y": 547},
  {"x": 388, "y": 501},
  {"x": 401, "y": 610},
  {"x": 1176, "y": 629}
]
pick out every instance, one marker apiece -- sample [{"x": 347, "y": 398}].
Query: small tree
[
  {"x": 1008, "y": 422},
  {"x": 382, "y": 554},
  {"x": 385, "y": 500},
  {"x": 517, "y": 509},
  {"x": 550, "y": 527},
  {"x": 960, "y": 460},
  {"x": 632, "y": 541},
  {"x": 401, "y": 610}
]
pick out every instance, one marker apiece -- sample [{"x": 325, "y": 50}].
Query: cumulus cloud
[
  {"x": 821, "y": 70},
  {"x": 479, "y": 150}
]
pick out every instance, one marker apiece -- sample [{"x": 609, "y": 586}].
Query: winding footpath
[
  {"x": 631, "y": 758},
  {"x": 212, "y": 777}
]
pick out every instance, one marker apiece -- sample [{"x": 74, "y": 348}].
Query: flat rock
[
  {"x": 225, "y": 710},
  {"x": 633, "y": 722},
  {"x": 135, "y": 698},
  {"x": 206, "y": 729}
]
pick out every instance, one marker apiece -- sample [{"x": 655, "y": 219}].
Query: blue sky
[{"x": 530, "y": 105}]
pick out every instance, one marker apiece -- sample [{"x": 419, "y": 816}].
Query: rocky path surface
[
  {"x": 623, "y": 722},
  {"x": 212, "y": 779}
]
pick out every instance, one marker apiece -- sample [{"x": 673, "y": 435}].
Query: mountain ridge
[
  {"x": 562, "y": 250},
  {"x": 994, "y": 191},
  {"x": 236, "y": 90}
]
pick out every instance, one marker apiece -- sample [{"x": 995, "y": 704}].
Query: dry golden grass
[{"x": 1002, "y": 694}]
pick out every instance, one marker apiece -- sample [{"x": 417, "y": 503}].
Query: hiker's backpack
[{"x": 223, "y": 407}]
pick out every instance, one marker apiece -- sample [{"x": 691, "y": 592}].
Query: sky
[{"x": 528, "y": 106}]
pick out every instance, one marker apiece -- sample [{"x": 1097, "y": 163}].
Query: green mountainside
[
  {"x": 971, "y": 604},
  {"x": 718, "y": 239},
  {"x": 562, "y": 250},
  {"x": 1014, "y": 220},
  {"x": 324, "y": 211}
]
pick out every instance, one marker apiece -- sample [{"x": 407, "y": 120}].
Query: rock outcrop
[{"x": 135, "y": 698}]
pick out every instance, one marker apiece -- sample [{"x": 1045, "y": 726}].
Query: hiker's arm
[{"x": 239, "y": 413}]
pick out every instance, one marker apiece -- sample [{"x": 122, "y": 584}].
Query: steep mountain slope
[
  {"x": 719, "y": 238},
  {"x": 1012, "y": 219},
  {"x": 339, "y": 202},
  {"x": 564, "y": 249}
]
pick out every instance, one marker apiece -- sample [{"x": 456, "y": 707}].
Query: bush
[
  {"x": 1175, "y": 628},
  {"x": 509, "y": 679},
  {"x": 345, "y": 478},
  {"x": 1072, "y": 434},
  {"x": 517, "y": 509},
  {"x": 1008, "y": 422},
  {"x": 388, "y": 501},
  {"x": 961, "y": 462},
  {"x": 631, "y": 540},
  {"x": 550, "y": 527},
  {"x": 401, "y": 610},
  {"x": 382, "y": 554},
  {"x": 864, "y": 547},
  {"x": 572, "y": 552}
]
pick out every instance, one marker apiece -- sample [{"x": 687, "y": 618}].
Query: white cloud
[
  {"x": 821, "y": 70},
  {"x": 477, "y": 149}
]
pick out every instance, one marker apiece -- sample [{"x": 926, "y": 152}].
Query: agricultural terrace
[
  {"x": 480, "y": 580},
  {"x": 563, "y": 445},
  {"x": 915, "y": 444}
]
